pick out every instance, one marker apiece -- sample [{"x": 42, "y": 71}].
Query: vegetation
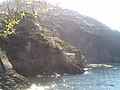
[
  {"x": 41, "y": 12},
  {"x": 8, "y": 26},
  {"x": 14, "y": 10}
]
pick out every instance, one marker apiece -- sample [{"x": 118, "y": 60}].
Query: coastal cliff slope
[
  {"x": 33, "y": 50},
  {"x": 95, "y": 40}
]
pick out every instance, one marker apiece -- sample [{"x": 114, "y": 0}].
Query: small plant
[
  {"x": 9, "y": 22},
  {"x": 9, "y": 26}
]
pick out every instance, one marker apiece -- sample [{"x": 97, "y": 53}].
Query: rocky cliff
[
  {"x": 10, "y": 79},
  {"x": 39, "y": 46},
  {"x": 34, "y": 51},
  {"x": 96, "y": 41}
]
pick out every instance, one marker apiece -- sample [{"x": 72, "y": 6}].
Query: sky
[{"x": 105, "y": 11}]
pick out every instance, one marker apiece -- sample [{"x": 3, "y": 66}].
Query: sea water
[{"x": 102, "y": 78}]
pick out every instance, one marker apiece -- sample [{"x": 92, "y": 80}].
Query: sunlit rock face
[
  {"x": 96, "y": 41},
  {"x": 33, "y": 52}
]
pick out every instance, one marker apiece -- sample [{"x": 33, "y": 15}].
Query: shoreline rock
[{"x": 10, "y": 79}]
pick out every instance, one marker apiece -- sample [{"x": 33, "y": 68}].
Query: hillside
[
  {"x": 33, "y": 50},
  {"x": 96, "y": 41},
  {"x": 38, "y": 38}
]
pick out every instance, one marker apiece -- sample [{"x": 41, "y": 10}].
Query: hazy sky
[{"x": 105, "y": 11}]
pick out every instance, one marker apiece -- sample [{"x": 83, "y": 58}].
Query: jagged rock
[
  {"x": 13, "y": 81},
  {"x": 35, "y": 51},
  {"x": 10, "y": 79}
]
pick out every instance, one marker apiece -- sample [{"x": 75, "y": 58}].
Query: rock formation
[
  {"x": 34, "y": 51},
  {"x": 9, "y": 79}
]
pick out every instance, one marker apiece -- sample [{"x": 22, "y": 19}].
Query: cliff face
[
  {"x": 34, "y": 51},
  {"x": 96, "y": 41}
]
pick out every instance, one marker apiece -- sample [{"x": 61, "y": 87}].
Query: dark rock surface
[
  {"x": 10, "y": 79},
  {"x": 33, "y": 51},
  {"x": 13, "y": 81}
]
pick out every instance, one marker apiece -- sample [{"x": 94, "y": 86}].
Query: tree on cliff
[{"x": 13, "y": 11}]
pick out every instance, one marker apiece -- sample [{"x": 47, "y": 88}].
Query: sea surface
[{"x": 100, "y": 78}]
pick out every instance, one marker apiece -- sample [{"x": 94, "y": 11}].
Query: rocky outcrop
[
  {"x": 9, "y": 79},
  {"x": 96, "y": 41},
  {"x": 34, "y": 51}
]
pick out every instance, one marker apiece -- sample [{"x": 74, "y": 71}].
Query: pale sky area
[{"x": 105, "y": 11}]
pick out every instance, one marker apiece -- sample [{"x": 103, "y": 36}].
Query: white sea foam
[
  {"x": 34, "y": 87},
  {"x": 86, "y": 72}
]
